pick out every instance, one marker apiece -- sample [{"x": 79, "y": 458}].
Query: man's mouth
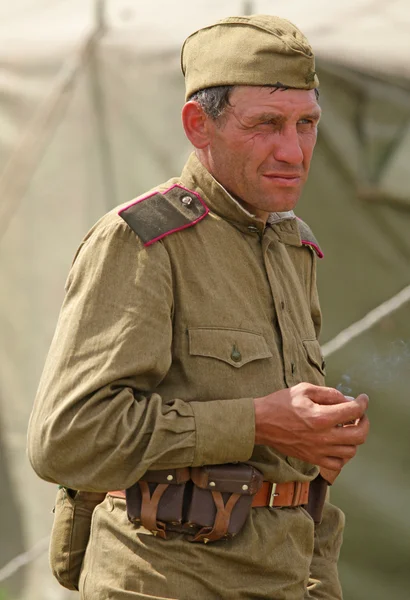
[{"x": 284, "y": 179}]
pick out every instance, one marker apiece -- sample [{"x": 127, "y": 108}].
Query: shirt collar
[{"x": 197, "y": 178}]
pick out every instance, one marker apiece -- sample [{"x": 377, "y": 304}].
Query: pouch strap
[
  {"x": 222, "y": 519},
  {"x": 149, "y": 508},
  {"x": 317, "y": 498}
]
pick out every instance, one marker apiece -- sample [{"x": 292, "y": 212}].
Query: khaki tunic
[{"x": 143, "y": 373}]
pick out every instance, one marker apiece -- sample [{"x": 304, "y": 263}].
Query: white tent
[{"x": 90, "y": 96}]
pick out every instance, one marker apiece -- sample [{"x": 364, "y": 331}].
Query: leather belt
[{"x": 290, "y": 493}]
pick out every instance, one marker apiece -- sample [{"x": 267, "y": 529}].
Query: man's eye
[
  {"x": 305, "y": 122},
  {"x": 269, "y": 123}
]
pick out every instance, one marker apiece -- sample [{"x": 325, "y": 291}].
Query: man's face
[{"x": 261, "y": 149}]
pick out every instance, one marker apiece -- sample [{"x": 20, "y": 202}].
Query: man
[{"x": 188, "y": 337}]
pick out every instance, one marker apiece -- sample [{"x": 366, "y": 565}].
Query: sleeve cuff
[{"x": 225, "y": 431}]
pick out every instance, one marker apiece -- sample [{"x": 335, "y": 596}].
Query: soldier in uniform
[{"x": 189, "y": 337}]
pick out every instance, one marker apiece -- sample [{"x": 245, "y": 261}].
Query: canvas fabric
[{"x": 143, "y": 372}]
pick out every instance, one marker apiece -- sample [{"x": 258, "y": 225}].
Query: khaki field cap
[{"x": 254, "y": 50}]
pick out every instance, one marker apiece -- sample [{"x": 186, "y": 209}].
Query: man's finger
[
  {"x": 344, "y": 452},
  {"x": 346, "y": 411},
  {"x": 325, "y": 395},
  {"x": 354, "y": 435},
  {"x": 330, "y": 462}
]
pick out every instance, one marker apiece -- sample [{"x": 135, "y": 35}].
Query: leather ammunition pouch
[
  {"x": 70, "y": 533},
  {"x": 207, "y": 503},
  {"x": 221, "y": 499},
  {"x": 157, "y": 499}
]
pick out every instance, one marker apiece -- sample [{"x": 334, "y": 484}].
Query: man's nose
[{"x": 288, "y": 149}]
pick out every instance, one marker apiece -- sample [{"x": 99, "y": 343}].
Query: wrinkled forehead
[{"x": 255, "y": 99}]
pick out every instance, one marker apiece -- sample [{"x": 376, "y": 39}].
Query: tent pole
[
  {"x": 23, "y": 162},
  {"x": 100, "y": 14},
  {"x": 100, "y": 114},
  {"x": 367, "y": 322},
  {"x": 248, "y": 8}
]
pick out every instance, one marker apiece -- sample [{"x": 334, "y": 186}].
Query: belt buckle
[{"x": 272, "y": 495}]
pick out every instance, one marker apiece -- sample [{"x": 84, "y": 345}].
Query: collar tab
[
  {"x": 308, "y": 238},
  {"x": 159, "y": 214}
]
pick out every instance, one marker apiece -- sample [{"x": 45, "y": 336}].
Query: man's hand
[{"x": 304, "y": 422}]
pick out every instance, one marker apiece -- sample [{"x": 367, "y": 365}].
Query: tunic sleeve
[{"x": 97, "y": 423}]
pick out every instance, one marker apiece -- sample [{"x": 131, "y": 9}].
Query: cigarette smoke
[{"x": 378, "y": 370}]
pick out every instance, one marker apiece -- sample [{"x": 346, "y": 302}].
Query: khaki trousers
[{"x": 269, "y": 558}]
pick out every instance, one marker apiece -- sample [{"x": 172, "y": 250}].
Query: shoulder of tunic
[
  {"x": 308, "y": 238},
  {"x": 160, "y": 213}
]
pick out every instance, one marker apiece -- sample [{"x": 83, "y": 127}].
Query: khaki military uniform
[{"x": 158, "y": 354}]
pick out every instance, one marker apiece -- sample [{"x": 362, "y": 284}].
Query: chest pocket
[
  {"x": 314, "y": 355},
  {"x": 236, "y": 347}
]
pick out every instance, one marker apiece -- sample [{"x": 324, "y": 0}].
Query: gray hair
[{"x": 215, "y": 100}]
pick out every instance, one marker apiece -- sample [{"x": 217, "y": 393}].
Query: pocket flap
[
  {"x": 233, "y": 346},
  {"x": 239, "y": 478},
  {"x": 315, "y": 355},
  {"x": 170, "y": 476}
]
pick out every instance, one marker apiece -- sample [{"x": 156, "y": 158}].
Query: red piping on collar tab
[
  {"x": 190, "y": 224},
  {"x": 310, "y": 243},
  {"x": 314, "y": 246}
]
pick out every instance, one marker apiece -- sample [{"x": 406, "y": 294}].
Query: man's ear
[{"x": 196, "y": 124}]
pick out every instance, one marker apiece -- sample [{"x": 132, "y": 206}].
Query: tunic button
[
  {"x": 236, "y": 355},
  {"x": 170, "y": 477},
  {"x": 212, "y": 484},
  {"x": 186, "y": 200},
  {"x": 245, "y": 487},
  {"x": 253, "y": 228}
]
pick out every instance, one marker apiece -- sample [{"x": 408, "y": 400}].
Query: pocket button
[{"x": 236, "y": 355}]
